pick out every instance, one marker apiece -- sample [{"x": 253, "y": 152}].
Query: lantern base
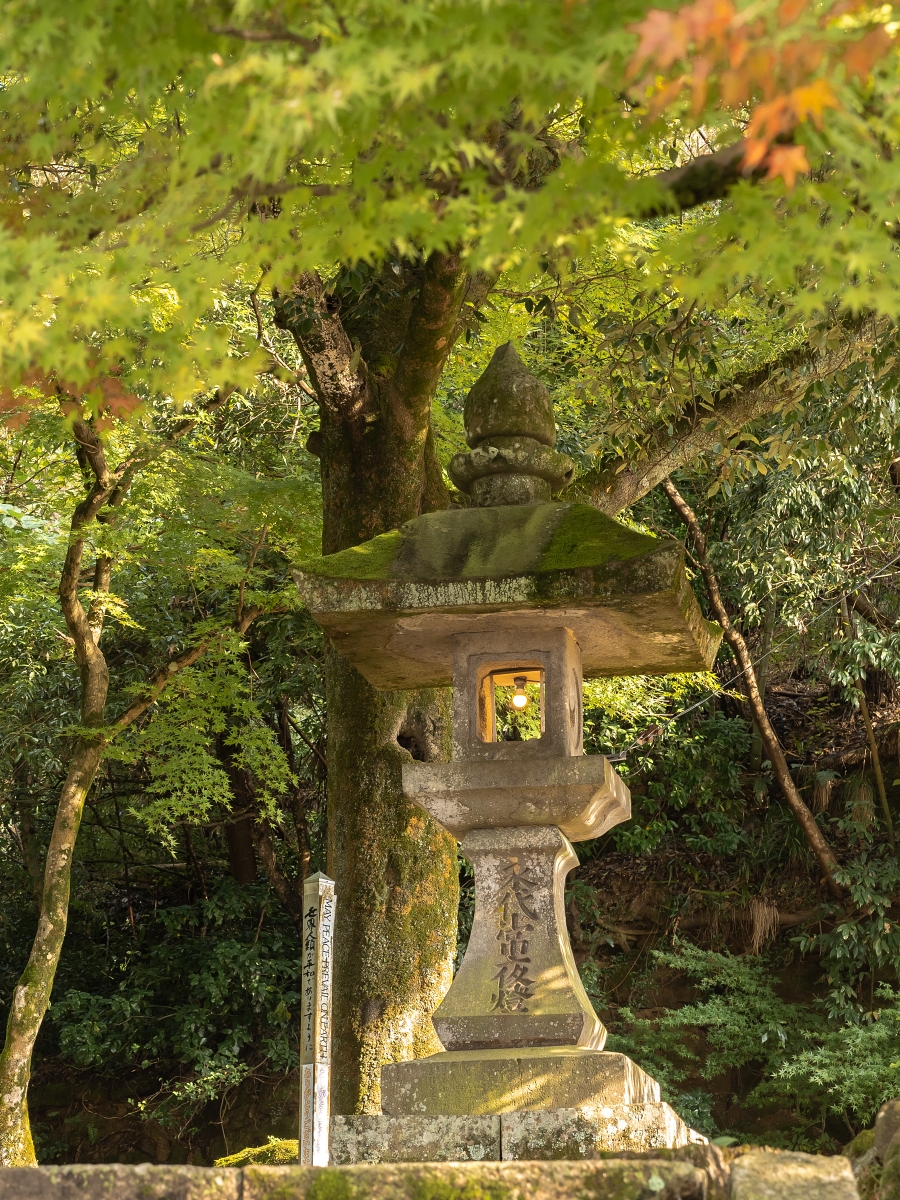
[{"x": 479, "y": 1082}]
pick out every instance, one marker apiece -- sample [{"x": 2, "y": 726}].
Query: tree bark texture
[
  {"x": 374, "y": 360},
  {"x": 738, "y": 646},
  {"x": 399, "y": 891},
  {"x": 31, "y": 995}
]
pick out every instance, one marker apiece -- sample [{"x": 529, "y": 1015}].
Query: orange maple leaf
[
  {"x": 812, "y": 99},
  {"x": 664, "y": 37},
  {"x": 755, "y": 151},
  {"x": 708, "y": 20},
  {"x": 787, "y": 162},
  {"x": 770, "y": 119},
  {"x": 789, "y": 11},
  {"x": 702, "y": 68}
]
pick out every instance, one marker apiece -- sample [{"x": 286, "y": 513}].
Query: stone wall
[{"x": 756, "y": 1175}]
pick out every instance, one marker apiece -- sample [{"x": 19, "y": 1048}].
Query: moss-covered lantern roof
[{"x": 393, "y": 605}]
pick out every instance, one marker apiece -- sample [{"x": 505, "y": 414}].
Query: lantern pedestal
[
  {"x": 478, "y": 1082},
  {"x": 518, "y": 984}
]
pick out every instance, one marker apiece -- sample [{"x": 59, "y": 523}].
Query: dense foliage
[{"x": 694, "y": 247}]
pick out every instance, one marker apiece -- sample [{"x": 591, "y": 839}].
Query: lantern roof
[{"x": 394, "y": 604}]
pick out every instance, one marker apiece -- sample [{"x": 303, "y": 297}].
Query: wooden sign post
[{"x": 315, "y": 1019}]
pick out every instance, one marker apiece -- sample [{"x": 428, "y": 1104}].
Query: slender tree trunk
[
  {"x": 34, "y": 857},
  {"x": 761, "y": 677},
  {"x": 31, "y": 995},
  {"x": 738, "y": 646}
]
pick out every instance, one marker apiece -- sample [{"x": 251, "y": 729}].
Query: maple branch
[
  {"x": 333, "y": 369},
  {"x": 250, "y": 564},
  {"x": 157, "y": 683},
  {"x": 154, "y": 687},
  {"x": 701, "y": 179},
  {"x": 311, "y": 45}
]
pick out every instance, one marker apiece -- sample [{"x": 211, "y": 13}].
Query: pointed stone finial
[
  {"x": 508, "y": 401},
  {"x": 510, "y": 427}
]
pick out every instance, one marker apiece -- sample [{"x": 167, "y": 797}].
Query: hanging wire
[{"x": 661, "y": 725}]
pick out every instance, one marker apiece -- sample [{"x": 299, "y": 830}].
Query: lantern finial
[{"x": 510, "y": 427}]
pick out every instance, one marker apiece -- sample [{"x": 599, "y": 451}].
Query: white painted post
[{"x": 315, "y": 1019}]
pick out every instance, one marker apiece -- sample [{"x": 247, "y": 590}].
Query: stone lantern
[{"x": 513, "y": 600}]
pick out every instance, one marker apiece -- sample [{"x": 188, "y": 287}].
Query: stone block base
[
  {"x": 788, "y": 1176},
  {"x": 540, "y": 1135},
  {"x": 691, "y": 1173},
  {"x": 379, "y": 1139},
  {"x": 480, "y": 1082},
  {"x": 591, "y": 1133}
]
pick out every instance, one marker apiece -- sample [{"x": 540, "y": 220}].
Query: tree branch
[
  {"x": 268, "y": 35},
  {"x": 743, "y": 399},
  {"x": 873, "y": 615},
  {"x": 157, "y": 683},
  {"x": 738, "y": 646},
  {"x": 336, "y": 373},
  {"x": 707, "y": 177}
]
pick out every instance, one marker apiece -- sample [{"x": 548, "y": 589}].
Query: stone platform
[
  {"x": 510, "y": 1137},
  {"x": 481, "y": 1082}
]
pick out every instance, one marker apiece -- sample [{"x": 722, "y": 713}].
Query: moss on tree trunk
[
  {"x": 396, "y": 928},
  {"x": 375, "y": 363}
]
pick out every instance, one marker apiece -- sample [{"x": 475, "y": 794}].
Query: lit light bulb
[{"x": 520, "y": 699}]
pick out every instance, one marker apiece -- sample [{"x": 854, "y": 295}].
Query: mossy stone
[
  {"x": 861, "y": 1143},
  {"x": 890, "y": 1175},
  {"x": 489, "y": 543},
  {"x": 507, "y": 400},
  {"x": 276, "y": 1152}
]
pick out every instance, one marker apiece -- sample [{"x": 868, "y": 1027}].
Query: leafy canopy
[{"x": 153, "y": 154}]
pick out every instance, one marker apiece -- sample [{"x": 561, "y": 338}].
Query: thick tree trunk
[
  {"x": 375, "y": 365},
  {"x": 397, "y": 872}
]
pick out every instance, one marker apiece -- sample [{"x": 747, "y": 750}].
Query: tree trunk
[
  {"x": 31, "y": 995},
  {"x": 399, "y": 889},
  {"x": 756, "y": 749},
  {"x": 375, "y": 363},
  {"x": 32, "y": 851}
]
